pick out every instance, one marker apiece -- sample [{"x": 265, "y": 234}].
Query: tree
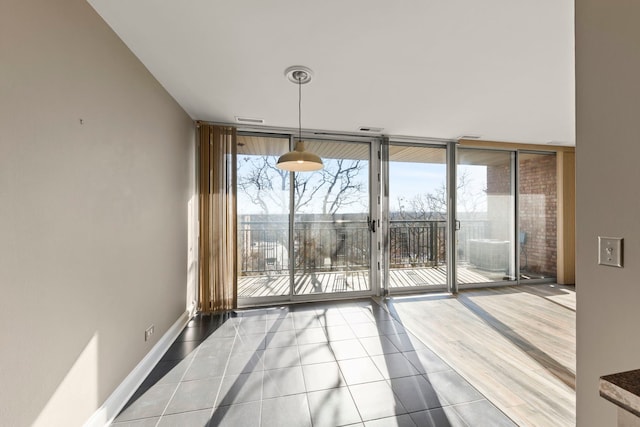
[
  {"x": 338, "y": 185},
  {"x": 333, "y": 190}
]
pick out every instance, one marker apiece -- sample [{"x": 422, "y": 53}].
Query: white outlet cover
[{"x": 610, "y": 251}]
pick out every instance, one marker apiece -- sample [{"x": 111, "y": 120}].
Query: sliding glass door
[
  {"x": 304, "y": 235},
  {"x": 332, "y": 221}
]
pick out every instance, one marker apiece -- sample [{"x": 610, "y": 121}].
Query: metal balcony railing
[
  {"x": 323, "y": 246},
  {"x": 416, "y": 243}
]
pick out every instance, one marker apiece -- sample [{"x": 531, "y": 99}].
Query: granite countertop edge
[{"x": 622, "y": 389}]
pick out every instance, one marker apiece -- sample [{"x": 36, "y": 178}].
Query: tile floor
[{"x": 338, "y": 364}]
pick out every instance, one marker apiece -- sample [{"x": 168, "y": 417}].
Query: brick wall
[{"x": 538, "y": 214}]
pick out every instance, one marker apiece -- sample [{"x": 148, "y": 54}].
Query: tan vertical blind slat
[
  {"x": 218, "y": 241},
  {"x": 203, "y": 245}
]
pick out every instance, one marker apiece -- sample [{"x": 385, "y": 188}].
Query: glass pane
[
  {"x": 485, "y": 211},
  {"x": 263, "y": 218},
  {"x": 331, "y": 236},
  {"x": 537, "y": 215},
  {"x": 418, "y": 217}
]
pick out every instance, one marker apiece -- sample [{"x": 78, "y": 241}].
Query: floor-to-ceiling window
[
  {"x": 417, "y": 217},
  {"x": 316, "y": 234},
  {"x": 263, "y": 217},
  {"x": 485, "y": 211},
  {"x": 537, "y": 215}
]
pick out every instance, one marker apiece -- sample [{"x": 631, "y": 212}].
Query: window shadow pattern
[{"x": 316, "y": 364}]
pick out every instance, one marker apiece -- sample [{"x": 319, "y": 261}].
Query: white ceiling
[{"x": 500, "y": 69}]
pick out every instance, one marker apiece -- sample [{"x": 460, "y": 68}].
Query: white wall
[
  {"x": 93, "y": 215},
  {"x": 608, "y": 200}
]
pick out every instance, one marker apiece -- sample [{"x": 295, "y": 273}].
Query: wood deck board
[{"x": 330, "y": 282}]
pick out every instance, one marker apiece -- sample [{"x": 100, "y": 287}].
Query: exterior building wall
[{"x": 538, "y": 207}]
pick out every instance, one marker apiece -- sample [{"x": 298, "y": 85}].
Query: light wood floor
[{"x": 516, "y": 345}]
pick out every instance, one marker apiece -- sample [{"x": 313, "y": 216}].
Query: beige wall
[
  {"x": 93, "y": 216},
  {"x": 608, "y": 201}
]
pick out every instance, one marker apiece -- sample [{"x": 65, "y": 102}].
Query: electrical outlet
[{"x": 148, "y": 333}]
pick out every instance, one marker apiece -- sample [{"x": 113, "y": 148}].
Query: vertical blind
[{"x": 218, "y": 239}]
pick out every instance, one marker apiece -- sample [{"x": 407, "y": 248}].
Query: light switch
[{"x": 610, "y": 251}]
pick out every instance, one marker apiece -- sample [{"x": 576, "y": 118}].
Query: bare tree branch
[{"x": 338, "y": 185}]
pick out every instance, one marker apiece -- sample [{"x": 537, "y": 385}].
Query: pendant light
[{"x": 299, "y": 160}]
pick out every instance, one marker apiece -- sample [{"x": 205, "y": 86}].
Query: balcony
[{"x": 334, "y": 256}]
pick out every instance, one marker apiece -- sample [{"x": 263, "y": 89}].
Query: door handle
[
  {"x": 371, "y": 224},
  {"x": 457, "y": 225}
]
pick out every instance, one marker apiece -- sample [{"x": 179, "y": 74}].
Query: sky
[{"x": 407, "y": 180}]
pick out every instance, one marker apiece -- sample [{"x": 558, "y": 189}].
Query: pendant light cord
[
  {"x": 298, "y": 159},
  {"x": 299, "y": 108}
]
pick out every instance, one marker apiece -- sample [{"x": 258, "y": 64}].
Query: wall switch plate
[
  {"x": 610, "y": 251},
  {"x": 148, "y": 332}
]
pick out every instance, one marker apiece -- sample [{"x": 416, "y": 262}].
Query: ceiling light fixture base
[{"x": 299, "y": 74}]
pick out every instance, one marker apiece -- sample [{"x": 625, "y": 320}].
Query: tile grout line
[
  {"x": 179, "y": 382},
  {"x": 221, "y": 378},
  {"x": 224, "y": 372},
  {"x": 340, "y": 369},
  {"x": 304, "y": 380},
  {"x": 369, "y": 382}
]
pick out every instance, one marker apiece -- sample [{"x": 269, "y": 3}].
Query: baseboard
[{"x": 105, "y": 415}]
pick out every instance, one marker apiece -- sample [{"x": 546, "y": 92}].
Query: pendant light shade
[{"x": 299, "y": 160}]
